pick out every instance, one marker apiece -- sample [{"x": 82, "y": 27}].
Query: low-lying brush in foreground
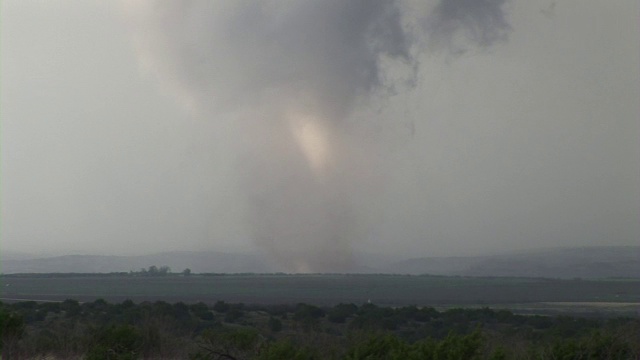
[{"x": 101, "y": 330}]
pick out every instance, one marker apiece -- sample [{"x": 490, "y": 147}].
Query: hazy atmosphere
[{"x": 309, "y": 131}]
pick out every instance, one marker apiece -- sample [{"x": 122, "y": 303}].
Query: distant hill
[
  {"x": 586, "y": 262},
  {"x": 215, "y": 262}
]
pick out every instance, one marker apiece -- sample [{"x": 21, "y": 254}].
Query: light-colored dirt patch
[{"x": 593, "y": 304}]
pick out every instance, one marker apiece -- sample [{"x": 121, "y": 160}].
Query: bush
[
  {"x": 275, "y": 325},
  {"x": 339, "y": 313},
  {"x": 71, "y": 307},
  {"x": 11, "y": 328},
  {"x": 233, "y": 315},
  {"x": 229, "y": 344},
  {"x": 454, "y": 347},
  {"x": 121, "y": 342},
  {"x": 306, "y": 312},
  {"x": 286, "y": 350},
  {"x": 221, "y": 306}
]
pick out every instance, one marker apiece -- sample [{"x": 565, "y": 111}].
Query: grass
[{"x": 387, "y": 290}]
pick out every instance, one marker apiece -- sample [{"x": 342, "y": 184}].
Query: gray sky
[{"x": 310, "y": 129}]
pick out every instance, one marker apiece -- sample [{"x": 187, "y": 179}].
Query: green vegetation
[
  {"x": 129, "y": 330},
  {"x": 159, "y": 314}
]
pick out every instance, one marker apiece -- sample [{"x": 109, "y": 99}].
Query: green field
[{"x": 386, "y": 290}]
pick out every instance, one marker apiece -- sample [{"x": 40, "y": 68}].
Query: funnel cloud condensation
[{"x": 291, "y": 73}]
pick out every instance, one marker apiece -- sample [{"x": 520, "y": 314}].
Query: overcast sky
[{"x": 310, "y": 129}]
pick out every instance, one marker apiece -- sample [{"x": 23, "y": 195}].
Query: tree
[
  {"x": 221, "y": 306},
  {"x": 308, "y": 315},
  {"x": 11, "y": 330},
  {"x": 284, "y": 349},
  {"x": 233, "y": 314},
  {"x": 164, "y": 270},
  {"x": 340, "y": 313},
  {"x": 71, "y": 307},
  {"x": 241, "y": 343},
  {"x": 122, "y": 342},
  {"x": 275, "y": 325},
  {"x": 186, "y": 272}
]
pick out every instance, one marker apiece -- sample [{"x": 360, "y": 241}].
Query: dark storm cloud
[
  {"x": 295, "y": 71},
  {"x": 457, "y": 25},
  {"x": 300, "y": 136},
  {"x": 235, "y": 53}
]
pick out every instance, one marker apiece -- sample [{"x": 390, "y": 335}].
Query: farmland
[{"x": 526, "y": 294}]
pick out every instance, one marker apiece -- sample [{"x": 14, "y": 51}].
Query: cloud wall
[{"x": 289, "y": 75}]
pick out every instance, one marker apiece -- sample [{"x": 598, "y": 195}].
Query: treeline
[
  {"x": 149, "y": 271},
  {"x": 102, "y": 330},
  {"x": 155, "y": 271}
]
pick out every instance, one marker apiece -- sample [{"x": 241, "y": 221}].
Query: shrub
[{"x": 121, "y": 342}]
